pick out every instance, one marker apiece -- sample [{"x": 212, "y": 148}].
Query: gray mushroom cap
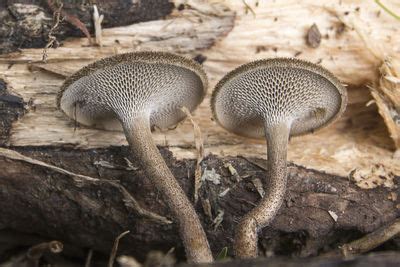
[
  {"x": 265, "y": 92},
  {"x": 118, "y": 88}
]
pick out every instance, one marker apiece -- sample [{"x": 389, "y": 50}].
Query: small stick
[
  {"x": 371, "y": 240},
  {"x": 115, "y": 249},
  {"x": 52, "y": 38},
  {"x": 37, "y": 251},
  {"x": 89, "y": 258},
  {"x": 390, "y": 12},
  {"x": 71, "y": 19},
  {"x": 97, "y": 20},
  {"x": 248, "y": 8},
  {"x": 198, "y": 139}
]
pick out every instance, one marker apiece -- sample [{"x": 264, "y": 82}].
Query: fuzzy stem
[
  {"x": 141, "y": 142},
  {"x": 246, "y": 238}
]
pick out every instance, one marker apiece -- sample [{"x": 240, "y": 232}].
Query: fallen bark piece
[
  {"x": 44, "y": 201},
  {"x": 387, "y": 96}
]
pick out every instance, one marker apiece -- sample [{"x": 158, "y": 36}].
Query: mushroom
[
  {"x": 140, "y": 91},
  {"x": 274, "y": 99}
]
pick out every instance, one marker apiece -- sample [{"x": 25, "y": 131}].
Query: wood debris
[
  {"x": 211, "y": 176},
  {"x": 313, "y": 37},
  {"x": 333, "y": 215},
  {"x": 233, "y": 172},
  {"x": 368, "y": 178},
  {"x": 114, "y": 250},
  {"x": 218, "y": 219},
  {"x": 387, "y": 96},
  {"x": 198, "y": 140},
  {"x": 259, "y": 186},
  {"x": 97, "y": 20}
]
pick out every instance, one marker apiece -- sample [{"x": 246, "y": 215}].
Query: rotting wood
[
  {"x": 91, "y": 215},
  {"x": 128, "y": 200},
  {"x": 25, "y": 24},
  {"x": 359, "y": 140},
  {"x": 387, "y": 96}
]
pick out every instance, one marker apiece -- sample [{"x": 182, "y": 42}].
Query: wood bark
[
  {"x": 46, "y": 192},
  {"x": 26, "y": 23},
  {"x": 378, "y": 259}
]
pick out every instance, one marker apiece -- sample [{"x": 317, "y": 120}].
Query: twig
[
  {"x": 36, "y": 252},
  {"x": 371, "y": 240},
  {"x": 97, "y": 20},
  {"x": 52, "y": 38},
  {"x": 131, "y": 202},
  {"x": 71, "y": 19},
  {"x": 115, "y": 249},
  {"x": 128, "y": 199},
  {"x": 218, "y": 219},
  {"x": 198, "y": 139},
  {"x": 89, "y": 258},
  {"x": 248, "y": 7},
  {"x": 11, "y": 154},
  {"x": 390, "y": 12}
]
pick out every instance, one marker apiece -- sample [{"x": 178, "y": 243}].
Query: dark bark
[
  {"x": 28, "y": 26},
  {"x": 35, "y": 199},
  {"x": 388, "y": 259},
  {"x": 11, "y": 108}
]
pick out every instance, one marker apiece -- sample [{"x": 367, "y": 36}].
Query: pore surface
[
  {"x": 275, "y": 94},
  {"x": 123, "y": 91}
]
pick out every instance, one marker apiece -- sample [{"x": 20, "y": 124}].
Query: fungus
[
  {"x": 274, "y": 99},
  {"x": 139, "y": 91}
]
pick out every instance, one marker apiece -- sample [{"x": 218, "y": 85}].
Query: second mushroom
[{"x": 274, "y": 99}]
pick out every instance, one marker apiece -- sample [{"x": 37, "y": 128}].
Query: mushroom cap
[
  {"x": 119, "y": 88},
  {"x": 262, "y": 93}
]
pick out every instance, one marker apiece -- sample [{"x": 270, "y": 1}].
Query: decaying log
[{"x": 81, "y": 203}]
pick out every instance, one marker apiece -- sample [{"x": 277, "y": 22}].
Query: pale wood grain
[{"x": 358, "y": 140}]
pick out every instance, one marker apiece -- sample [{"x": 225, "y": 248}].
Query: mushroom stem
[
  {"x": 246, "y": 239},
  {"x": 140, "y": 139}
]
